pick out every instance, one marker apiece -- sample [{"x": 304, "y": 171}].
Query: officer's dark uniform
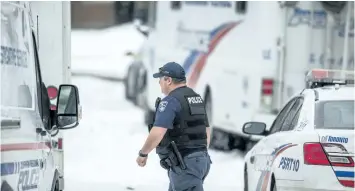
[{"x": 183, "y": 113}]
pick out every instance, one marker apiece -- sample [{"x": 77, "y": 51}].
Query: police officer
[{"x": 181, "y": 119}]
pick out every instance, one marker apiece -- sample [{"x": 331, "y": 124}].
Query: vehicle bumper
[
  {"x": 313, "y": 178},
  {"x": 289, "y": 185}
]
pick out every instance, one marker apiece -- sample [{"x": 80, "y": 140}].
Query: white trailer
[{"x": 246, "y": 58}]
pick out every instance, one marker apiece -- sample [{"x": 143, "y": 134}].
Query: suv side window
[
  {"x": 292, "y": 117},
  {"x": 277, "y": 124}
]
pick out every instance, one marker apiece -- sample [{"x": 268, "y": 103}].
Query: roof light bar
[{"x": 321, "y": 77}]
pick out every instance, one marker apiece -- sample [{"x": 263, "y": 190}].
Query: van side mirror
[
  {"x": 68, "y": 111},
  {"x": 254, "y": 128}
]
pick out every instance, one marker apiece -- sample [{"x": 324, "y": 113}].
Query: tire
[
  {"x": 246, "y": 182},
  {"x": 208, "y": 102},
  {"x": 249, "y": 145},
  {"x": 56, "y": 188},
  {"x": 273, "y": 184},
  {"x": 220, "y": 140},
  {"x": 126, "y": 84},
  {"x": 131, "y": 84},
  {"x": 238, "y": 143}
]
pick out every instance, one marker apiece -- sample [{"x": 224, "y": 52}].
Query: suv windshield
[{"x": 337, "y": 114}]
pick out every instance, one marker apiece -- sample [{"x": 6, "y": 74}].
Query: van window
[
  {"x": 152, "y": 14},
  {"x": 241, "y": 7},
  {"x": 175, "y": 5},
  {"x": 18, "y": 79}
]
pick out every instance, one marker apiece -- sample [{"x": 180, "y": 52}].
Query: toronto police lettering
[
  {"x": 304, "y": 17},
  {"x": 29, "y": 175},
  {"x": 332, "y": 139},
  {"x": 289, "y": 164}
]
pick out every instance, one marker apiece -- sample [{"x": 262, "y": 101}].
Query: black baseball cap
[{"x": 171, "y": 69}]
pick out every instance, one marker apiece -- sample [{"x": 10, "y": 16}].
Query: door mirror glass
[
  {"x": 68, "y": 107},
  {"x": 254, "y": 128}
]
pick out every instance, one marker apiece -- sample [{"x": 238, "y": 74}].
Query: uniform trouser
[{"x": 192, "y": 178}]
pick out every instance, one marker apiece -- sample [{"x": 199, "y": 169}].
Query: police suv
[
  {"x": 310, "y": 145},
  {"x": 28, "y": 125}
]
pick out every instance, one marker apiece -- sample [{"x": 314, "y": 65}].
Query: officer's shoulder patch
[{"x": 162, "y": 106}]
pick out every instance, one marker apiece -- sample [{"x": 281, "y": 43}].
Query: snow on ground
[
  {"x": 103, "y": 51},
  {"x": 100, "y": 153}
]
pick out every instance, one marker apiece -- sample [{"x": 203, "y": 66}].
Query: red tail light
[
  {"x": 52, "y": 92},
  {"x": 333, "y": 150},
  {"x": 266, "y": 98},
  {"x": 267, "y": 86},
  {"x": 328, "y": 154},
  {"x": 60, "y": 143},
  {"x": 341, "y": 161},
  {"x": 314, "y": 154}
]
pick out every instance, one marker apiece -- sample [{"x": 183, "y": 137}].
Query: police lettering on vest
[{"x": 196, "y": 99}]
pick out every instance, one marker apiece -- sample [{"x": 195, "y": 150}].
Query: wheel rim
[{"x": 130, "y": 83}]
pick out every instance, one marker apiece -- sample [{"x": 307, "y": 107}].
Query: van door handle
[{"x": 41, "y": 164}]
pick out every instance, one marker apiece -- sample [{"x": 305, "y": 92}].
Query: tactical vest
[{"x": 190, "y": 125}]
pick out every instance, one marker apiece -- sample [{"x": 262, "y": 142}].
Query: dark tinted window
[
  {"x": 276, "y": 126},
  {"x": 335, "y": 115},
  {"x": 292, "y": 116}
]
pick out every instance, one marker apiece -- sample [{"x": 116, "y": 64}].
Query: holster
[{"x": 170, "y": 161}]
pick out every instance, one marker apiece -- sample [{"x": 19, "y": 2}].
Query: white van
[
  {"x": 27, "y": 122},
  {"x": 246, "y": 58}
]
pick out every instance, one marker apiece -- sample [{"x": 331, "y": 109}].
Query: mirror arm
[{"x": 266, "y": 133}]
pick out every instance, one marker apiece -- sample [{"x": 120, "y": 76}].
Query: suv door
[
  {"x": 262, "y": 153},
  {"x": 287, "y": 164}
]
